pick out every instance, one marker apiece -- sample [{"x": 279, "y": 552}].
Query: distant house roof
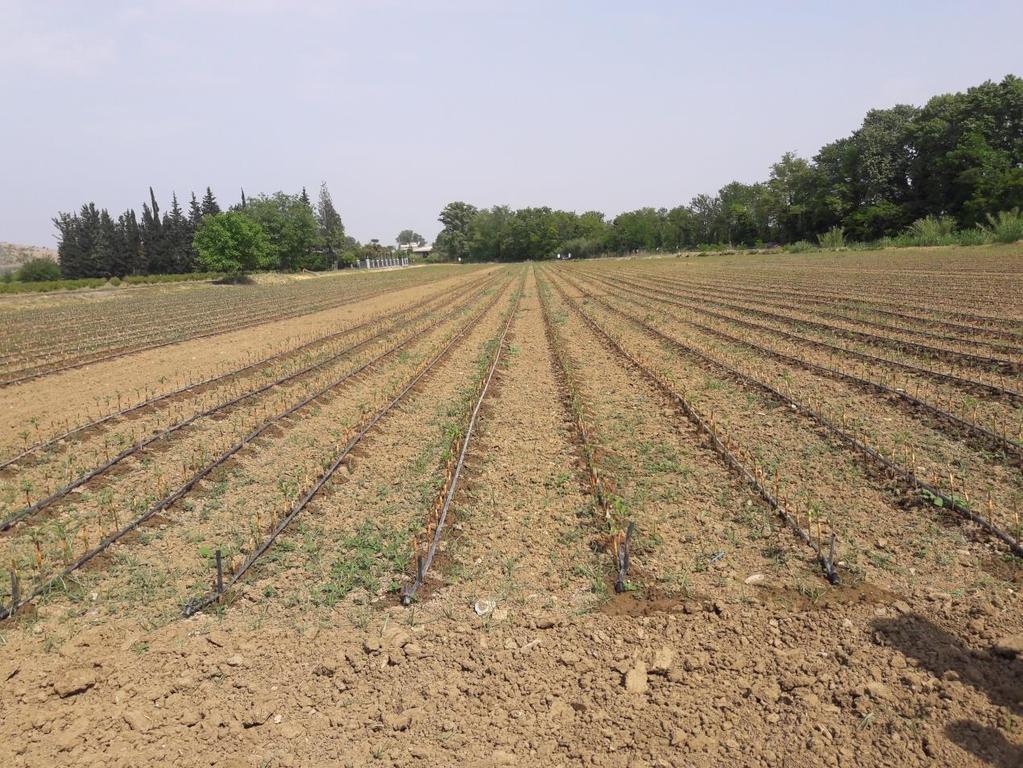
[{"x": 423, "y": 248}]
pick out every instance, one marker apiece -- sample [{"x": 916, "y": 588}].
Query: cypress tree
[
  {"x": 331, "y": 228},
  {"x": 194, "y": 213},
  {"x": 133, "y": 234},
  {"x": 128, "y": 251},
  {"x": 105, "y": 251},
  {"x": 88, "y": 239},
  {"x": 176, "y": 237},
  {"x": 154, "y": 250},
  {"x": 69, "y": 254},
  {"x": 209, "y": 203}
]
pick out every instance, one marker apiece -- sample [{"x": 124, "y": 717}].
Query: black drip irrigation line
[
  {"x": 8, "y": 522},
  {"x": 988, "y": 437},
  {"x": 364, "y": 295},
  {"x": 392, "y": 317},
  {"x": 968, "y": 384},
  {"x": 572, "y": 401},
  {"x": 863, "y": 304},
  {"x": 826, "y": 562},
  {"x": 786, "y": 303},
  {"x": 197, "y": 604},
  {"x": 913, "y": 347},
  {"x": 182, "y": 490},
  {"x": 161, "y": 345},
  {"x": 909, "y": 478},
  {"x": 423, "y": 564}
]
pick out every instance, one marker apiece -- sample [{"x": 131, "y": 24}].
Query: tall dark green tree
[
  {"x": 331, "y": 228},
  {"x": 177, "y": 236},
  {"x": 453, "y": 240},
  {"x": 129, "y": 259},
  {"x": 209, "y": 205},
  {"x": 410, "y": 237},
  {"x": 69, "y": 253},
  {"x": 194, "y": 212},
  {"x": 105, "y": 252},
  {"x": 153, "y": 240}
]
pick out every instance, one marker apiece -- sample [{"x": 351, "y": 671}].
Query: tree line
[
  {"x": 949, "y": 166},
  {"x": 280, "y": 231}
]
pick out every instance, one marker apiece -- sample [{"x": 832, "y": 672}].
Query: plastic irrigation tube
[
  {"x": 41, "y": 504},
  {"x": 731, "y": 460},
  {"x": 423, "y": 567},
  {"x": 197, "y": 604},
  {"x": 620, "y": 540},
  {"x": 980, "y": 361},
  {"x": 1003, "y": 444},
  {"x": 229, "y": 374},
  {"x": 799, "y": 304},
  {"x": 908, "y": 477},
  {"x": 169, "y": 500},
  {"x": 160, "y": 345},
  {"x": 970, "y": 384}
]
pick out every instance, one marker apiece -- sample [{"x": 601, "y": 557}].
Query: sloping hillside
[{"x": 13, "y": 256}]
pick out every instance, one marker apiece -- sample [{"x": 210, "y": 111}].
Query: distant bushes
[
  {"x": 801, "y": 246},
  {"x": 1005, "y": 227}
]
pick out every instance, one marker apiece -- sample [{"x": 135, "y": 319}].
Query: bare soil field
[{"x": 744, "y": 510}]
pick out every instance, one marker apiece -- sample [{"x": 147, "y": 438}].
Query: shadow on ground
[{"x": 998, "y": 675}]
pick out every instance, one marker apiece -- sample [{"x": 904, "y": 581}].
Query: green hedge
[{"x": 98, "y": 282}]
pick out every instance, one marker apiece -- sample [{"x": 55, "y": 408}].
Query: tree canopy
[
  {"x": 409, "y": 237},
  {"x": 958, "y": 156},
  {"x": 232, "y": 242},
  {"x": 92, "y": 243}
]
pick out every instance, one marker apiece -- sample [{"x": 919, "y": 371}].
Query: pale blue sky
[{"x": 404, "y": 106}]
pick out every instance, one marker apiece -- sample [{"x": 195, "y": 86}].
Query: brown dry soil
[{"x": 518, "y": 653}]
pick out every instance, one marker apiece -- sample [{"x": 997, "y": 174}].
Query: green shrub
[
  {"x": 932, "y": 230},
  {"x": 801, "y": 246},
  {"x": 1006, "y": 227},
  {"x": 833, "y": 239},
  {"x": 37, "y": 271},
  {"x": 973, "y": 236},
  {"x": 51, "y": 285},
  {"x": 96, "y": 282}
]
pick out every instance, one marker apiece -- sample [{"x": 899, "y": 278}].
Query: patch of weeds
[
  {"x": 374, "y": 553},
  {"x": 812, "y": 592},
  {"x": 940, "y": 502},
  {"x": 881, "y": 561},
  {"x": 598, "y": 584},
  {"x": 678, "y": 580},
  {"x": 558, "y": 482}
]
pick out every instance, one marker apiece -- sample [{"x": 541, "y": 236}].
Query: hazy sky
[{"x": 402, "y": 107}]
